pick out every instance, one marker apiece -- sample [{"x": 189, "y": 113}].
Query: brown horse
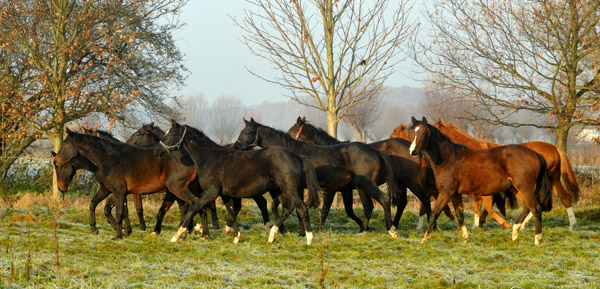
[
  {"x": 557, "y": 162},
  {"x": 403, "y": 132},
  {"x": 460, "y": 170}
]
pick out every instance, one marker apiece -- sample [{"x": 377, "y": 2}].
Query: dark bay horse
[
  {"x": 123, "y": 168},
  {"x": 244, "y": 174},
  {"x": 557, "y": 162},
  {"x": 460, "y": 170},
  {"x": 406, "y": 168},
  {"x": 339, "y": 168}
]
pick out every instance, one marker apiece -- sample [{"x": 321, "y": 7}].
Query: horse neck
[
  {"x": 270, "y": 137},
  {"x": 440, "y": 149},
  {"x": 83, "y": 163},
  {"x": 94, "y": 153},
  {"x": 322, "y": 138},
  {"x": 461, "y": 138}
]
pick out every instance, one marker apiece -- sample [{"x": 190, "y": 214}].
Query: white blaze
[{"x": 414, "y": 142}]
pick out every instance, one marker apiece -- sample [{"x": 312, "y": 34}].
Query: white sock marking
[
  {"x": 572, "y": 220},
  {"x": 237, "y": 238},
  {"x": 272, "y": 234},
  {"x": 515, "y": 232},
  {"x": 475, "y": 220},
  {"x": 309, "y": 238},
  {"x": 527, "y": 219},
  {"x": 465, "y": 234},
  {"x": 538, "y": 238}
]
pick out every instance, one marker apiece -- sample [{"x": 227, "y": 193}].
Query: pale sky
[{"x": 217, "y": 59}]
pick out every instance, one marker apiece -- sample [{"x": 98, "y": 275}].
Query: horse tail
[
  {"x": 567, "y": 174},
  {"x": 390, "y": 179},
  {"x": 312, "y": 183},
  {"x": 544, "y": 186}
]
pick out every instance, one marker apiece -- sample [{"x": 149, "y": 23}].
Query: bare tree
[
  {"x": 360, "y": 116},
  {"x": 225, "y": 118},
  {"x": 194, "y": 109},
  {"x": 337, "y": 53},
  {"x": 514, "y": 56}
]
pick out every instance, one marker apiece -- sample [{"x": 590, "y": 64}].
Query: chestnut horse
[
  {"x": 461, "y": 170},
  {"x": 406, "y": 169},
  {"x": 403, "y": 132},
  {"x": 558, "y": 164}
]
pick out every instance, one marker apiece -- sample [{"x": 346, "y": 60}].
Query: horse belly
[
  {"x": 484, "y": 187},
  {"x": 142, "y": 186},
  {"x": 332, "y": 178}
]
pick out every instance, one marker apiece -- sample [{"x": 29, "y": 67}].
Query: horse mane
[
  {"x": 322, "y": 137},
  {"x": 108, "y": 146},
  {"x": 102, "y": 134},
  {"x": 438, "y": 137},
  {"x": 463, "y": 137},
  {"x": 287, "y": 140},
  {"x": 205, "y": 140}
]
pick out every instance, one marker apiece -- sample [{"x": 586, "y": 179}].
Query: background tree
[
  {"x": 337, "y": 53},
  {"x": 360, "y": 116},
  {"x": 81, "y": 57},
  {"x": 225, "y": 118},
  {"x": 513, "y": 56}
]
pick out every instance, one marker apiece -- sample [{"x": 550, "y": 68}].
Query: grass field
[{"x": 45, "y": 246}]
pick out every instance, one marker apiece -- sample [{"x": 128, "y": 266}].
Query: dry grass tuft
[{"x": 30, "y": 200}]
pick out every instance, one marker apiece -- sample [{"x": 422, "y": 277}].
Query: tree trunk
[
  {"x": 562, "y": 137},
  {"x": 359, "y": 132},
  {"x": 332, "y": 123},
  {"x": 57, "y": 195}
]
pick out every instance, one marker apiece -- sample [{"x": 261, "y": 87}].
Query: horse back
[{"x": 548, "y": 152}]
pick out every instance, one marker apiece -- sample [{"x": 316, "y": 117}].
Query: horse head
[
  {"x": 172, "y": 140},
  {"x": 421, "y": 132},
  {"x": 249, "y": 137}
]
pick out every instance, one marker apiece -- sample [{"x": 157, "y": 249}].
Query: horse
[
  {"x": 244, "y": 174},
  {"x": 461, "y": 170},
  {"x": 403, "y": 132},
  {"x": 121, "y": 168},
  {"x": 558, "y": 165},
  {"x": 406, "y": 168},
  {"x": 339, "y": 168}
]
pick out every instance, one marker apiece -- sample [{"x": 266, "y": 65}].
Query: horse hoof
[
  {"x": 425, "y": 238},
  {"x": 237, "y": 238},
  {"x": 538, "y": 239},
  {"x": 154, "y": 233},
  {"x": 393, "y": 233},
  {"x": 142, "y": 228},
  {"x": 272, "y": 234},
  {"x": 95, "y": 232},
  {"x": 228, "y": 229}
]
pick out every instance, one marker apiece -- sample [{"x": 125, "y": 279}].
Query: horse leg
[
  {"x": 126, "y": 223},
  {"x": 286, "y": 210},
  {"x": 370, "y": 189},
  {"x": 214, "y": 216},
  {"x": 565, "y": 199},
  {"x": 164, "y": 207},
  {"x": 327, "y": 201},
  {"x": 401, "y": 205},
  {"x": 460, "y": 216},
  {"x": 476, "y": 211},
  {"x": 233, "y": 206},
  {"x": 440, "y": 202},
  {"x": 275, "y": 209},
  {"x": 488, "y": 203},
  {"x": 197, "y": 204},
  {"x": 303, "y": 219},
  {"x": 139, "y": 208},
  {"x": 119, "y": 199},
  {"x": 347, "y": 197},
  {"x": 100, "y": 195},
  {"x": 367, "y": 204},
  {"x": 261, "y": 202},
  {"x": 108, "y": 205}
]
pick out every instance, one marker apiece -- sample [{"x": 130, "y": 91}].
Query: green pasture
[{"x": 33, "y": 240}]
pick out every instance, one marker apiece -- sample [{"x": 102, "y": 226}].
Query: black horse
[
  {"x": 406, "y": 168},
  {"x": 339, "y": 168},
  {"x": 228, "y": 173},
  {"x": 121, "y": 168}
]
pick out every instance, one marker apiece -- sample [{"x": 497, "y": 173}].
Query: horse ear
[
  {"x": 414, "y": 120},
  {"x": 424, "y": 120},
  {"x": 252, "y": 121},
  {"x": 53, "y": 153},
  {"x": 173, "y": 122},
  {"x": 245, "y": 121},
  {"x": 299, "y": 120},
  {"x": 151, "y": 124}
]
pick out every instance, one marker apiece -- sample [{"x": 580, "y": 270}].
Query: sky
[{"x": 217, "y": 59}]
